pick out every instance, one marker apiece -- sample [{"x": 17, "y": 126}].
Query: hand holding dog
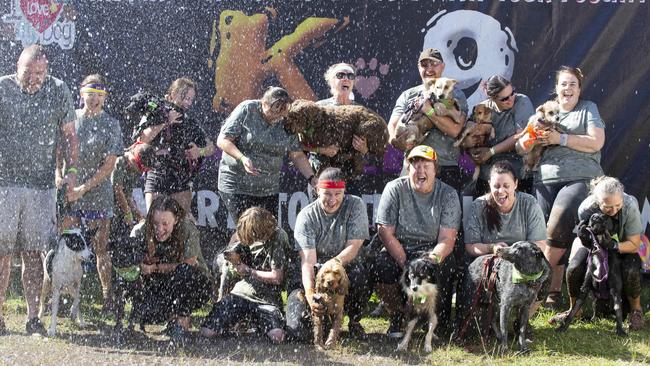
[
  {"x": 316, "y": 308},
  {"x": 194, "y": 152},
  {"x": 329, "y": 151},
  {"x": 242, "y": 269},
  {"x": 480, "y": 154},
  {"x": 147, "y": 269},
  {"x": 360, "y": 144},
  {"x": 548, "y": 138}
]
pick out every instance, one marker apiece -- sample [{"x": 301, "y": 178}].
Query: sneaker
[
  {"x": 395, "y": 328},
  {"x": 636, "y": 320},
  {"x": 34, "y": 326},
  {"x": 356, "y": 331},
  {"x": 378, "y": 311}
]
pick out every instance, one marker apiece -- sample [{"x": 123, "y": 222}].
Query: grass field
[{"x": 586, "y": 343}]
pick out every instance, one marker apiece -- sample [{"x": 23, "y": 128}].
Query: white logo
[
  {"x": 39, "y": 21},
  {"x": 474, "y": 46}
]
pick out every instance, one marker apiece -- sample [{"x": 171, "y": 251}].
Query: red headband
[{"x": 331, "y": 184}]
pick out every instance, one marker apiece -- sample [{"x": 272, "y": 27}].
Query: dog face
[
  {"x": 420, "y": 277},
  {"x": 73, "y": 240},
  {"x": 238, "y": 253},
  {"x": 332, "y": 278},
  {"x": 439, "y": 88},
  {"x": 482, "y": 114},
  {"x": 525, "y": 256},
  {"x": 599, "y": 223},
  {"x": 547, "y": 115}
]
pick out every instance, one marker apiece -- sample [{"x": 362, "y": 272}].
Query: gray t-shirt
[
  {"x": 506, "y": 123},
  {"x": 438, "y": 140},
  {"x": 30, "y": 130},
  {"x": 417, "y": 217},
  {"x": 267, "y": 256},
  {"x": 127, "y": 177},
  {"x": 524, "y": 222},
  {"x": 329, "y": 233},
  {"x": 99, "y": 137},
  {"x": 265, "y": 144},
  {"x": 563, "y": 164},
  {"x": 629, "y": 217}
]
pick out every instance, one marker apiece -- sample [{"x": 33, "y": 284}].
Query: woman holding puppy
[
  {"x": 257, "y": 296},
  {"x": 570, "y": 161},
  {"x": 607, "y": 196},
  {"x": 331, "y": 228},
  {"x": 176, "y": 277},
  {"x": 510, "y": 114},
  {"x": 254, "y": 143}
]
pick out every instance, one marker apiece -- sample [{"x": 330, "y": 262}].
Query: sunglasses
[
  {"x": 348, "y": 75},
  {"x": 508, "y": 97},
  {"x": 428, "y": 63}
]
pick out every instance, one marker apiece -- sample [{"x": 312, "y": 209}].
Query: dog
[
  {"x": 545, "y": 119},
  {"x": 224, "y": 265},
  {"x": 420, "y": 284},
  {"x": 331, "y": 288},
  {"x": 322, "y": 126},
  {"x": 126, "y": 256},
  {"x": 476, "y": 133},
  {"x": 414, "y": 125},
  {"x": 603, "y": 278},
  {"x": 63, "y": 273},
  {"x": 521, "y": 275}
]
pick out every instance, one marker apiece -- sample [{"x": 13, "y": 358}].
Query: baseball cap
[
  {"x": 423, "y": 151},
  {"x": 430, "y": 53}
]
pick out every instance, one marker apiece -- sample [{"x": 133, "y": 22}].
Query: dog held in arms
[
  {"x": 520, "y": 274},
  {"x": 603, "y": 278},
  {"x": 224, "y": 265},
  {"x": 63, "y": 273},
  {"x": 330, "y": 290},
  {"x": 419, "y": 283},
  {"x": 476, "y": 133},
  {"x": 414, "y": 124},
  {"x": 321, "y": 126},
  {"x": 545, "y": 119}
]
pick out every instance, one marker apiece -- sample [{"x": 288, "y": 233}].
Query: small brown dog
[
  {"x": 441, "y": 92},
  {"x": 331, "y": 288},
  {"x": 478, "y": 130},
  {"x": 545, "y": 119}
]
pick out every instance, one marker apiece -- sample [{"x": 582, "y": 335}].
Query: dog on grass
[
  {"x": 522, "y": 276},
  {"x": 420, "y": 284},
  {"x": 603, "y": 278},
  {"x": 63, "y": 273},
  {"x": 545, "y": 119},
  {"x": 126, "y": 257},
  {"x": 224, "y": 265},
  {"x": 322, "y": 126},
  {"x": 330, "y": 290},
  {"x": 477, "y": 132}
]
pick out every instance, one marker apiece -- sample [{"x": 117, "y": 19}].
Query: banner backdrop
[{"x": 234, "y": 49}]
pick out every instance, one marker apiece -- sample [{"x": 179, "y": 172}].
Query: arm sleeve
[
  {"x": 387, "y": 212},
  {"x": 232, "y": 127},
  {"x": 450, "y": 215},
  {"x": 357, "y": 223},
  {"x": 304, "y": 232}
]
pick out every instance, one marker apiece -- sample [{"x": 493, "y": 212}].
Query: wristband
[
  {"x": 72, "y": 170},
  {"x": 202, "y": 151},
  {"x": 564, "y": 139},
  {"x": 241, "y": 158},
  {"x": 430, "y": 112},
  {"x": 493, "y": 151},
  {"x": 434, "y": 258}
]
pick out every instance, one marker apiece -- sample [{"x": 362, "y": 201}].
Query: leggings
[
  {"x": 236, "y": 204},
  {"x": 559, "y": 203}
]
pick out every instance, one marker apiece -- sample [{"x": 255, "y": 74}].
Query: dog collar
[
  {"x": 129, "y": 274},
  {"x": 419, "y": 299},
  {"x": 518, "y": 277}
]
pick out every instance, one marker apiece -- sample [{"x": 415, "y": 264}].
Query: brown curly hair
[{"x": 256, "y": 224}]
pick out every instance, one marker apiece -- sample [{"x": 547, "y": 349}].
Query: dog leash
[
  {"x": 603, "y": 266},
  {"x": 489, "y": 278}
]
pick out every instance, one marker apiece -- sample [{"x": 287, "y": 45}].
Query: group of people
[{"x": 52, "y": 146}]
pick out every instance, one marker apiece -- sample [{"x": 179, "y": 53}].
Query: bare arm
[
  {"x": 71, "y": 148},
  {"x": 350, "y": 251},
  {"x": 592, "y": 142},
  {"x": 227, "y": 145},
  {"x": 307, "y": 263},
  {"x": 444, "y": 123},
  {"x": 302, "y": 163},
  {"x": 630, "y": 245},
  {"x": 392, "y": 245},
  {"x": 446, "y": 241}
]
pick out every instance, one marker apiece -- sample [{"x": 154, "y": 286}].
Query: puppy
[
  {"x": 603, "y": 278},
  {"x": 522, "y": 276},
  {"x": 440, "y": 92},
  {"x": 545, "y": 119},
  {"x": 476, "y": 133},
  {"x": 331, "y": 288},
  {"x": 419, "y": 282},
  {"x": 63, "y": 273},
  {"x": 224, "y": 266},
  {"x": 126, "y": 257}
]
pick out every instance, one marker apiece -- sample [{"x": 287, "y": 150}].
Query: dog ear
[
  {"x": 319, "y": 286},
  {"x": 540, "y": 109}
]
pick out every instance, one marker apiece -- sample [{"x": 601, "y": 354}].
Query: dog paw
[
  {"x": 368, "y": 76},
  {"x": 428, "y": 348}
]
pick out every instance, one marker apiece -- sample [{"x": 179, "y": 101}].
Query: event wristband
[
  {"x": 430, "y": 112},
  {"x": 242, "y": 158},
  {"x": 435, "y": 258},
  {"x": 202, "y": 151},
  {"x": 72, "y": 170},
  {"x": 564, "y": 139},
  {"x": 493, "y": 151}
]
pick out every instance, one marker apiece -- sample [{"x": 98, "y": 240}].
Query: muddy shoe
[
  {"x": 34, "y": 326},
  {"x": 378, "y": 311},
  {"x": 558, "y": 318},
  {"x": 636, "y": 320}
]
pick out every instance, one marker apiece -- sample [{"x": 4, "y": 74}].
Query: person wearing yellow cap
[{"x": 417, "y": 214}]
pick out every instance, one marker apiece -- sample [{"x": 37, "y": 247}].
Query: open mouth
[
  {"x": 345, "y": 87},
  {"x": 501, "y": 200}
]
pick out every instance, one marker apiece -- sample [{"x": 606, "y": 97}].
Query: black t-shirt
[{"x": 176, "y": 138}]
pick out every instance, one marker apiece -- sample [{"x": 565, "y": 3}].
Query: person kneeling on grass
[{"x": 257, "y": 297}]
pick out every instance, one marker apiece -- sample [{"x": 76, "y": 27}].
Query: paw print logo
[{"x": 369, "y": 74}]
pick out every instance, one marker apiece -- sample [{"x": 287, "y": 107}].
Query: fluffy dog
[
  {"x": 224, "y": 263},
  {"x": 414, "y": 124},
  {"x": 545, "y": 119},
  {"x": 522, "y": 276},
  {"x": 63, "y": 273},
  {"x": 321, "y": 126},
  {"x": 603, "y": 278},
  {"x": 477, "y": 132},
  {"x": 419, "y": 282},
  {"x": 331, "y": 288},
  {"x": 126, "y": 256}
]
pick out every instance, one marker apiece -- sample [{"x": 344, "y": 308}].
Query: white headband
[{"x": 341, "y": 68}]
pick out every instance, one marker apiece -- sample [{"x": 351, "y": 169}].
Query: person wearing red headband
[{"x": 333, "y": 227}]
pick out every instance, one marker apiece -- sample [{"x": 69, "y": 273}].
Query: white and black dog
[
  {"x": 419, "y": 282},
  {"x": 63, "y": 273}
]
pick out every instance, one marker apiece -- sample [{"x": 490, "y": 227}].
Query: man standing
[{"x": 36, "y": 113}]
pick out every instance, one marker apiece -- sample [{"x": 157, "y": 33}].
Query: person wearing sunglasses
[
  {"x": 340, "y": 77},
  {"x": 510, "y": 114}
]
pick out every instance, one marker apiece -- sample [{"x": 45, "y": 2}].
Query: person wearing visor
[
  {"x": 418, "y": 214},
  {"x": 254, "y": 143},
  {"x": 100, "y": 143},
  {"x": 333, "y": 227}
]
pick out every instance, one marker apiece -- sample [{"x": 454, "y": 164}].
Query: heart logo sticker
[{"x": 41, "y": 14}]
